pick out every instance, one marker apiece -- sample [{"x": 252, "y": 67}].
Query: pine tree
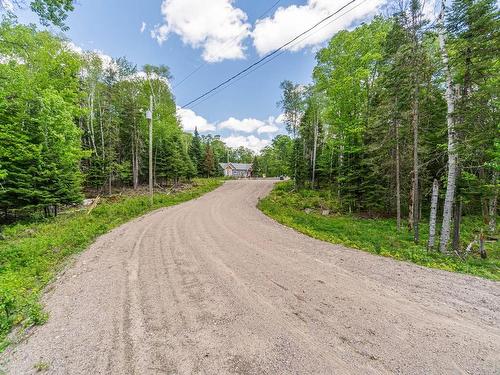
[
  {"x": 195, "y": 152},
  {"x": 209, "y": 161}
]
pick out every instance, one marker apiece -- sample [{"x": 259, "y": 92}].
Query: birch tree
[{"x": 450, "y": 120}]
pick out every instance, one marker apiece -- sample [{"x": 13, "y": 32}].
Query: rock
[
  {"x": 308, "y": 210},
  {"x": 325, "y": 212},
  {"x": 87, "y": 202}
]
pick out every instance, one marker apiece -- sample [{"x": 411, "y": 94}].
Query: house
[{"x": 239, "y": 170}]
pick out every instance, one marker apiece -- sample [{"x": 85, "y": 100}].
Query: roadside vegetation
[
  {"x": 401, "y": 122},
  {"x": 73, "y": 124},
  {"x": 32, "y": 253},
  {"x": 316, "y": 214}
]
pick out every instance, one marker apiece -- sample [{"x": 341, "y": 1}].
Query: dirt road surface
[{"x": 213, "y": 286}]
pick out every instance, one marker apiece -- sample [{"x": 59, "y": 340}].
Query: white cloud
[
  {"x": 247, "y": 125},
  {"x": 268, "y": 129},
  {"x": 142, "y": 75},
  {"x": 251, "y": 142},
  {"x": 250, "y": 125},
  {"x": 107, "y": 61},
  {"x": 287, "y": 22},
  {"x": 73, "y": 47},
  {"x": 143, "y": 26},
  {"x": 216, "y": 26},
  {"x": 191, "y": 120},
  {"x": 160, "y": 33},
  {"x": 280, "y": 119}
]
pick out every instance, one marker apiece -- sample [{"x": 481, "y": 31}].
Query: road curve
[{"x": 213, "y": 286}]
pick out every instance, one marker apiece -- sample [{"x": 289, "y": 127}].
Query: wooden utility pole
[{"x": 149, "y": 116}]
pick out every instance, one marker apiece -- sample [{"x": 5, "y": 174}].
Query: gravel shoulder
[{"x": 213, "y": 286}]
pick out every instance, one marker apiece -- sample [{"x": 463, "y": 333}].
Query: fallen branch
[
  {"x": 94, "y": 204},
  {"x": 478, "y": 240}
]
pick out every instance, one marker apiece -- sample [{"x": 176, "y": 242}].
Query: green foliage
[
  {"x": 52, "y": 11},
  {"x": 275, "y": 159},
  {"x": 376, "y": 115},
  {"x": 373, "y": 235},
  {"x": 40, "y": 143},
  {"x": 31, "y": 254},
  {"x": 209, "y": 166},
  {"x": 196, "y": 152}
]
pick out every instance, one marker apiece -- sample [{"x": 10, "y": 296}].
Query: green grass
[
  {"x": 31, "y": 254},
  {"x": 377, "y": 236}
]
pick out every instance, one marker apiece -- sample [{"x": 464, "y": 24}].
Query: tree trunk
[
  {"x": 484, "y": 200},
  {"x": 133, "y": 164},
  {"x": 398, "y": 178},
  {"x": 457, "y": 215},
  {"x": 452, "y": 154},
  {"x": 492, "y": 209},
  {"x": 411, "y": 206},
  {"x": 91, "y": 122},
  {"x": 433, "y": 216},
  {"x": 416, "y": 195},
  {"x": 482, "y": 251},
  {"x": 314, "y": 150},
  {"x": 135, "y": 158},
  {"x": 102, "y": 131}
]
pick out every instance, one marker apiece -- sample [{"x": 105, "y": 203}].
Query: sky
[{"x": 218, "y": 38}]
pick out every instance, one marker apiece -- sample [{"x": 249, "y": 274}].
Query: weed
[
  {"x": 32, "y": 253},
  {"x": 41, "y": 366},
  {"x": 378, "y": 236}
]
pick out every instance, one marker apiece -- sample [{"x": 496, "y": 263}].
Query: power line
[
  {"x": 230, "y": 41},
  {"x": 279, "y": 54},
  {"x": 268, "y": 55},
  {"x": 270, "y": 9}
]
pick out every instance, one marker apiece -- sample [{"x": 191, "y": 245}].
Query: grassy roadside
[
  {"x": 373, "y": 235},
  {"x": 31, "y": 254}
]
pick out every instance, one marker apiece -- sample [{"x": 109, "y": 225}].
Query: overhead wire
[
  {"x": 268, "y": 59},
  {"x": 194, "y": 71},
  {"x": 269, "y": 55}
]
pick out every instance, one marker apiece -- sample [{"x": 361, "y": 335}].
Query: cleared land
[{"x": 214, "y": 286}]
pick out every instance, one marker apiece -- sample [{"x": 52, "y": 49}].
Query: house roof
[{"x": 237, "y": 166}]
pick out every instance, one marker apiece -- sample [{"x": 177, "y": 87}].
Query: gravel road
[{"x": 213, "y": 286}]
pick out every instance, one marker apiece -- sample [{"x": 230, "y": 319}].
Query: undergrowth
[
  {"x": 32, "y": 253},
  {"x": 302, "y": 210}
]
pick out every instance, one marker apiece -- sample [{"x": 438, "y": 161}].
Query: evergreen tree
[
  {"x": 209, "y": 161},
  {"x": 195, "y": 152}
]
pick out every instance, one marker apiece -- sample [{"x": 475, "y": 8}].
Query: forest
[
  {"x": 74, "y": 121},
  {"x": 402, "y": 121}
]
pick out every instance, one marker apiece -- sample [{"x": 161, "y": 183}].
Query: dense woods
[
  {"x": 73, "y": 120},
  {"x": 401, "y": 120},
  {"x": 402, "y": 115}
]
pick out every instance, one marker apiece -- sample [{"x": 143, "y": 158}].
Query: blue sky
[{"x": 223, "y": 36}]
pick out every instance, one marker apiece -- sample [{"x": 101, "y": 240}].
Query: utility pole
[{"x": 149, "y": 116}]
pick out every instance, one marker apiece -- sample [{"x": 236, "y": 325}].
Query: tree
[
  {"x": 292, "y": 105},
  {"x": 40, "y": 149},
  {"x": 195, "y": 152},
  {"x": 52, "y": 12},
  {"x": 209, "y": 161}
]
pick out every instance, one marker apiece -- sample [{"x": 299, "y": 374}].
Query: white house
[{"x": 239, "y": 170}]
